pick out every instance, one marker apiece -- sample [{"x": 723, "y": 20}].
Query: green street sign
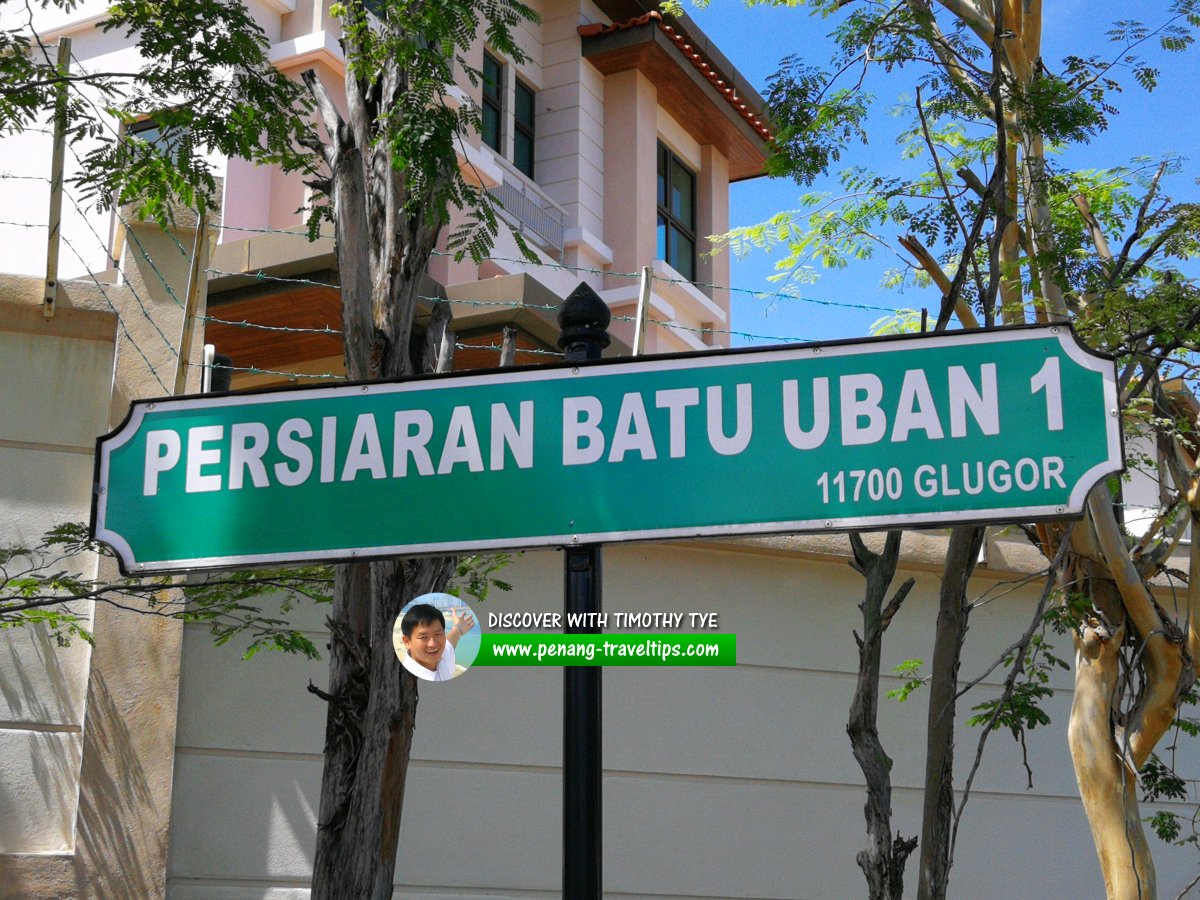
[{"x": 1011, "y": 424}]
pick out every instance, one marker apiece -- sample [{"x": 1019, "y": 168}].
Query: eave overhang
[{"x": 697, "y": 85}]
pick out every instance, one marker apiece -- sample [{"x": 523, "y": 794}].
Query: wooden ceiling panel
[{"x": 299, "y": 308}]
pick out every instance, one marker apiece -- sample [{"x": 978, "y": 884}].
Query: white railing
[{"x": 534, "y": 215}]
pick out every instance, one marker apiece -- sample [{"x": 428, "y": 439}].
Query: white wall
[{"x": 718, "y": 782}]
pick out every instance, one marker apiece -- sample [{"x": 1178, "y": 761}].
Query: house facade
[{"x": 159, "y": 764}]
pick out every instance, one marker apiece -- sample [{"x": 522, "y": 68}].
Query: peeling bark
[
  {"x": 1162, "y": 648},
  {"x": 1111, "y": 733},
  {"x": 1107, "y": 785}
]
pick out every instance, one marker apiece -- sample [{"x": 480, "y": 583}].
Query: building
[{"x": 157, "y": 762}]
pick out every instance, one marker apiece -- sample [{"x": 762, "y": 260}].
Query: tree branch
[
  {"x": 937, "y": 164},
  {"x": 1139, "y": 226},
  {"x": 1019, "y": 648},
  {"x": 330, "y": 117},
  {"x": 931, "y": 267},
  {"x": 1164, "y": 646}
]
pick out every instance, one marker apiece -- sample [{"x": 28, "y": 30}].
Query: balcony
[{"x": 537, "y": 218}]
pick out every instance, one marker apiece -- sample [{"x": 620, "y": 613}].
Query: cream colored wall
[
  {"x": 55, "y": 377},
  {"x": 633, "y": 127},
  {"x": 86, "y": 735},
  {"x": 570, "y": 152},
  {"x": 712, "y": 188},
  {"x": 718, "y": 782},
  {"x": 88, "y": 233},
  {"x": 630, "y": 141}
]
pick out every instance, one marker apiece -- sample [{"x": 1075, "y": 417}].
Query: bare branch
[
  {"x": 330, "y": 117},
  {"x": 926, "y": 262},
  {"x": 1094, "y": 230},
  {"x": 937, "y": 164},
  {"x": 1139, "y": 225},
  {"x": 1019, "y": 648}
]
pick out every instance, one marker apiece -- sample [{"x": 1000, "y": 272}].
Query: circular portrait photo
[{"x": 436, "y": 637}]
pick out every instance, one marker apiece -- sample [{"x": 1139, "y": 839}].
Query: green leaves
[
  {"x": 405, "y": 57},
  {"x": 1160, "y": 782},
  {"x": 910, "y": 671},
  {"x": 476, "y": 575},
  {"x": 43, "y": 586},
  {"x": 903, "y": 321},
  {"x": 813, "y": 120},
  {"x": 209, "y": 85}
]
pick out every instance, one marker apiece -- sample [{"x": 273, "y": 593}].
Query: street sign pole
[{"x": 583, "y": 320}]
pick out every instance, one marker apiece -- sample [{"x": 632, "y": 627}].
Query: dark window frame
[
  {"x": 667, "y": 164},
  {"x": 522, "y": 129},
  {"x": 164, "y": 137},
  {"x": 492, "y": 101}
]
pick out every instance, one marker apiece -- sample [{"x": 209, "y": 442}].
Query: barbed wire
[
  {"x": 501, "y": 304},
  {"x": 130, "y": 233},
  {"x": 508, "y": 304},
  {"x": 497, "y": 347},
  {"x": 763, "y": 294},
  {"x": 88, "y": 269},
  {"x": 260, "y": 275},
  {"x": 705, "y": 332},
  {"x": 255, "y": 370},
  {"x": 479, "y": 303},
  {"x": 103, "y": 117},
  {"x": 132, "y": 290},
  {"x": 257, "y": 326},
  {"x": 249, "y": 229},
  {"x": 27, "y": 130}
]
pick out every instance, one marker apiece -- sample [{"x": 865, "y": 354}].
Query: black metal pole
[
  {"x": 583, "y": 320},
  {"x": 582, "y": 740}
]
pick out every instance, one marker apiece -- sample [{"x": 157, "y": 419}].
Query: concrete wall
[
  {"x": 85, "y": 735},
  {"x": 718, "y": 782},
  {"x": 45, "y": 480}
]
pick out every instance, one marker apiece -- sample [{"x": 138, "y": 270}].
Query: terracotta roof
[{"x": 680, "y": 39}]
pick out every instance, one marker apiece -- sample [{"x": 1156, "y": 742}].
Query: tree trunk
[
  {"x": 938, "y": 814},
  {"x": 1109, "y": 736},
  {"x": 1107, "y": 785},
  {"x": 368, "y": 735},
  {"x": 884, "y": 858},
  {"x": 383, "y": 251}
]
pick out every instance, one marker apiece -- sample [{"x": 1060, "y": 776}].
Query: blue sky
[{"x": 1152, "y": 124}]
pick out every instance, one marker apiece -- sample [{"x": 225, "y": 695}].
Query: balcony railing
[{"x": 535, "y": 216}]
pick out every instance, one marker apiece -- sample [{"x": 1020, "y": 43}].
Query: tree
[
  {"x": 1004, "y": 236},
  {"x": 389, "y": 176}
]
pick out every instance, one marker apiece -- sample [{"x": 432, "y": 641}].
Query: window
[
  {"x": 161, "y": 137},
  {"x": 676, "y": 213},
  {"x": 147, "y": 130},
  {"x": 498, "y": 120},
  {"x": 493, "y": 100},
  {"x": 523, "y": 129}
]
